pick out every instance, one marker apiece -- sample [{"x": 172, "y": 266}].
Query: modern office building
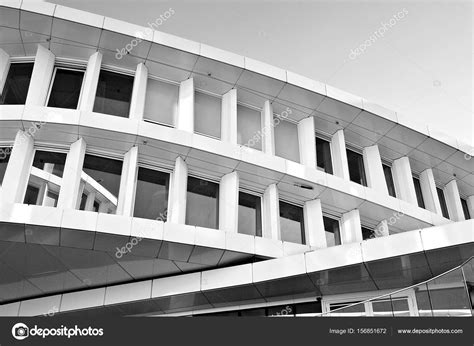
[{"x": 146, "y": 174}]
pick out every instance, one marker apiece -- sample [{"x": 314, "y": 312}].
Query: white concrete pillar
[
  {"x": 307, "y": 142},
  {"x": 271, "y": 213},
  {"x": 339, "y": 155},
  {"x": 91, "y": 80},
  {"x": 185, "y": 119},
  {"x": 4, "y": 67},
  {"x": 403, "y": 180},
  {"x": 453, "y": 201},
  {"x": 229, "y": 202},
  {"x": 70, "y": 187},
  {"x": 17, "y": 173},
  {"x": 313, "y": 224},
  {"x": 382, "y": 229},
  {"x": 428, "y": 189},
  {"x": 90, "y": 201},
  {"x": 268, "y": 133},
  {"x": 470, "y": 206},
  {"x": 374, "y": 170},
  {"x": 351, "y": 230},
  {"x": 178, "y": 192},
  {"x": 128, "y": 183},
  {"x": 40, "y": 77},
  {"x": 229, "y": 117},
  {"x": 137, "y": 103}
]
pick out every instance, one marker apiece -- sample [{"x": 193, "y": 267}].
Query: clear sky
[{"x": 422, "y": 65}]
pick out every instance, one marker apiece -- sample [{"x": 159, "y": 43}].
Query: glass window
[
  {"x": 323, "y": 155},
  {"x": 207, "y": 115},
  {"x": 419, "y": 194},
  {"x": 331, "y": 228},
  {"x": 16, "y": 85},
  {"x": 291, "y": 223},
  {"x": 66, "y": 88},
  {"x": 202, "y": 205},
  {"x": 387, "y": 171},
  {"x": 31, "y": 196},
  {"x": 250, "y": 214},
  {"x": 367, "y": 233},
  {"x": 356, "y": 167},
  {"x": 465, "y": 208},
  {"x": 50, "y": 161},
  {"x": 286, "y": 140},
  {"x": 151, "y": 198},
  {"x": 249, "y": 127},
  {"x": 4, "y": 157},
  {"x": 114, "y": 93},
  {"x": 161, "y": 102},
  {"x": 442, "y": 202}
]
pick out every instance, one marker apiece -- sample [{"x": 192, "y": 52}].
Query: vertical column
[
  {"x": 428, "y": 189},
  {"x": 271, "y": 213},
  {"x": 185, "y": 119},
  {"x": 229, "y": 117},
  {"x": 307, "y": 142},
  {"x": 40, "y": 77},
  {"x": 314, "y": 224},
  {"x": 351, "y": 230},
  {"x": 382, "y": 229},
  {"x": 69, "y": 193},
  {"x": 453, "y": 201},
  {"x": 403, "y": 180},
  {"x": 4, "y": 67},
  {"x": 178, "y": 192},
  {"x": 470, "y": 206},
  {"x": 91, "y": 80},
  {"x": 374, "y": 170},
  {"x": 339, "y": 155},
  {"x": 137, "y": 103},
  {"x": 268, "y": 140},
  {"x": 229, "y": 202},
  {"x": 17, "y": 173},
  {"x": 128, "y": 182}
]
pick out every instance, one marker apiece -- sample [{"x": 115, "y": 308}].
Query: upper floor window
[
  {"x": 291, "y": 223},
  {"x": 356, "y": 167},
  {"x": 16, "y": 84},
  {"x": 387, "y": 171},
  {"x": 250, "y": 214},
  {"x": 323, "y": 155},
  {"x": 202, "y": 203},
  {"x": 442, "y": 202},
  {"x": 66, "y": 88},
  {"x": 207, "y": 115},
  {"x": 4, "y": 157},
  {"x": 367, "y": 233},
  {"x": 419, "y": 194},
  {"x": 465, "y": 209},
  {"x": 161, "y": 102},
  {"x": 114, "y": 93},
  {"x": 249, "y": 127},
  {"x": 332, "y": 231},
  {"x": 151, "y": 197},
  {"x": 286, "y": 139}
]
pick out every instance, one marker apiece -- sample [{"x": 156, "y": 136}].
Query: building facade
[{"x": 145, "y": 174}]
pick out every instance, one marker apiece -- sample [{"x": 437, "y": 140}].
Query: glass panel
[
  {"x": 254, "y": 312},
  {"x": 387, "y": 171},
  {"x": 31, "y": 195},
  {"x": 286, "y": 140},
  {"x": 448, "y": 295},
  {"x": 51, "y": 199},
  {"x": 419, "y": 194},
  {"x": 356, "y": 167},
  {"x": 308, "y": 309},
  {"x": 161, "y": 102},
  {"x": 66, "y": 89},
  {"x": 151, "y": 198},
  {"x": 50, "y": 162},
  {"x": 250, "y": 214},
  {"x": 350, "y": 311},
  {"x": 114, "y": 93},
  {"x": 389, "y": 307},
  {"x": 323, "y": 155},
  {"x": 331, "y": 228},
  {"x": 442, "y": 202},
  {"x": 16, "y": 85},
  {"x": 4, "y": 158},
  {"x": 281, "y": 311},
  {"x": 249, "y": 127},
  {"x": 367, "y": 233},
  {"x": 202, "y": 203},
  {"x": 291, "y": 223},
  {"x": 465, "y": 209},
  {"x": 207, "y": 115}
]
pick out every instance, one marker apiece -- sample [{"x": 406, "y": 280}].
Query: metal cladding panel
[
  {"x": 288, "y": 288},
  {"x": 246, "y": 294}
]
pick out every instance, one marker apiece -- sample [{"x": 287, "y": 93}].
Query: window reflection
[
  {"x": 207, "y": 114},
  {"x": 291, "y": 223},
  {"x": 419, "y": 194},
  {"x": 202, "y": 204},
  {"x": 323, "y": 155},
  {"x": 250, "y": 214},
  {"x": 442, "y": 202},
  {"x": 331, "y": 229},
  {"x": 114, "y": 92},
  {"x": 4, "y": 158},
  {"x": 387, "y": 171},
  {"x": 66, "y": 88},
  {"x": 17, "y": 84},
  {"x": 151, "y": 198},
  {"x": 249, "y": 127},
  {"x": 356, "y": 167}
]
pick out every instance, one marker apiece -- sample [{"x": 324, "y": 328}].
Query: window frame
[
  {"x": 359, "y": 152},
  {"x": 17, "y": 61},
  {"x": 337, "y": 218},
  {"x": 328, "y": 140},
  {"x": 161, "y": 80},
  {"x": 302, "y": 228},
  {"x": 390, "y": 166},
  {"x": 259, "y": 195},
  {"x": 443, "y": 204},
  {"x": 76, "y": 69},
  {"x": 217, "y": 96},
  {"x": 208, "y": 179}
]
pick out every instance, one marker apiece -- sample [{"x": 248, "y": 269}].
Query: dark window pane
[
  {"x": 106, "y": 172},
  {"x": 114, "y": 93},
  {"x": 442, "y": 202},
  {"x": 16, "y": 85},
  {"x": 356, "y": 167},
  {"x": 281, "y": 310},
  {"x": 323, "y": 155},
  {"x": 261, "y": 312},
  {"x": 31, "y": 195},
  {"x": 250, "y": 214},
  {"x": 308, "y": 309},
  {"x": 387, "y": 171},
  {"x": 207, "y": 115},
  {"x": 4, "y": 157},
  {"x": 202, "y": 203},
  {"x": 151, "y": 198},
  {"x": 50, "y": 162},
  {"x": 419, "y": 194},
  {"x": 367, "y": 233},
  {"x": 66, "y": 89},
  {"x": 82, "y": 205},
  {"x": 291, "y": 223},
  {"x": 331, "y": 228},
  {"x": 465, "y": 208},
  {"x": 96, "y": 206}
]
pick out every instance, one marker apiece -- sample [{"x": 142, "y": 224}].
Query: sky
[{"x": 414, "y": 57}]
